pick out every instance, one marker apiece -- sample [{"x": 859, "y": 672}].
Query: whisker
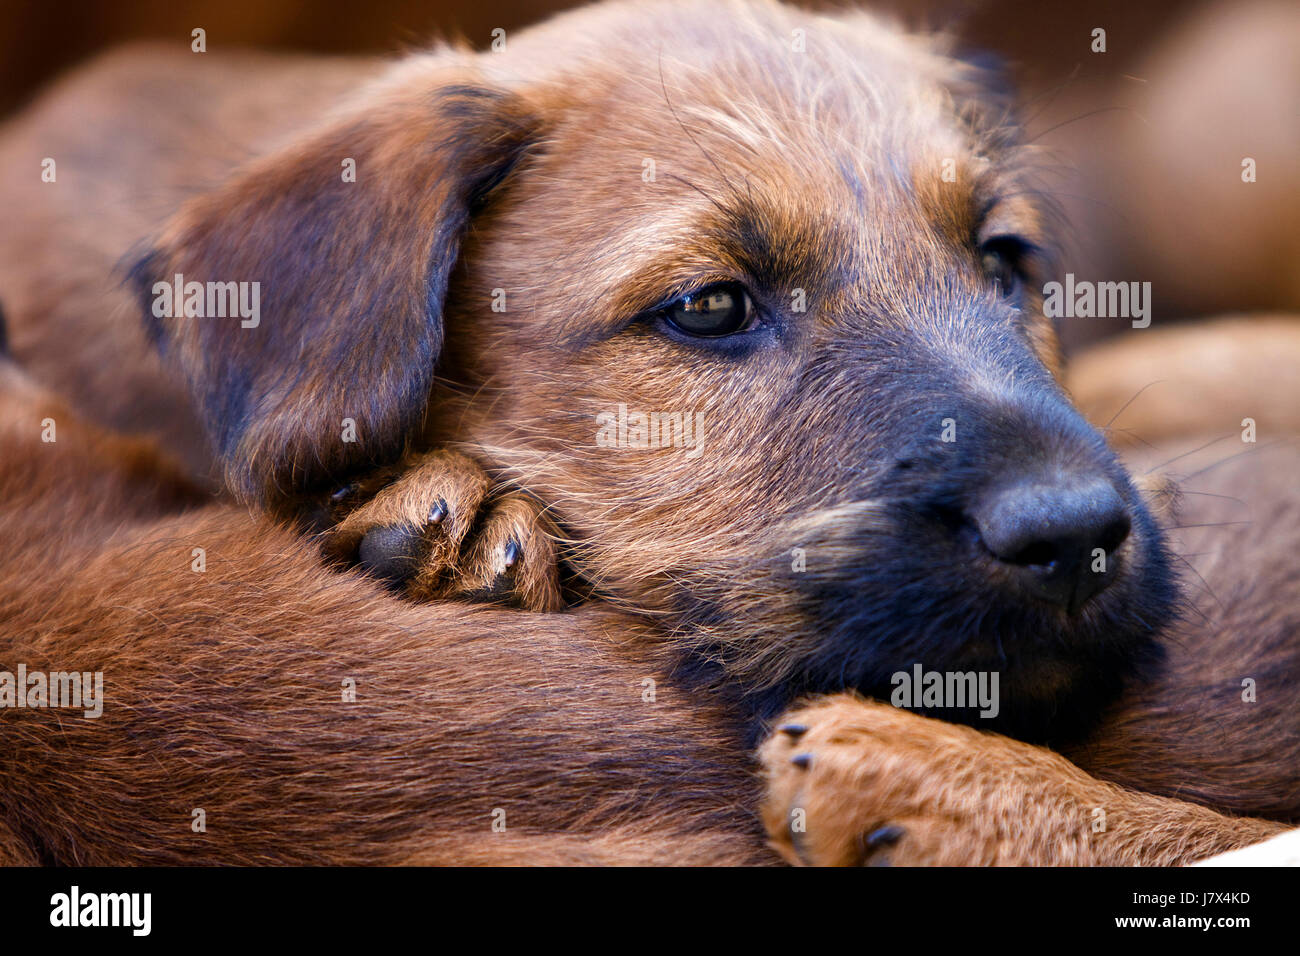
[
  {"x": 1129, "y": 433},
  {"x": 687, "y": 182},
  {"x": 1170, "y": 461},
  {"x": 1123, "y": 407},
  {"x": 1222, "y": 461},
  {"x": 663, "y": 83},
  {"x": 1210, "y": 494},
  {"x": 1084, "y": 116},
  {"x": 1051, "y": 93},
  {"x": 1187, "y": 564}
]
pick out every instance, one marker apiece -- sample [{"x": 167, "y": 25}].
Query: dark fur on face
[{"x": 856, "y": 188}]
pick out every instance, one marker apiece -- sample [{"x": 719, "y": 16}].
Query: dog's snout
[{"x": 1057, "y": 537}]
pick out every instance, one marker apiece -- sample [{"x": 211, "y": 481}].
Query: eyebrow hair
[
  {"x": 649, "y": 286},
  {"x": 777, "y": 248},
  {"x": 1006, "y": 191},
  {"x": 1029, "y": 211},
  {"x": 735, "y": 239}
]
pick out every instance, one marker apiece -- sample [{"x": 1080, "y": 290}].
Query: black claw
[
  {"x": 438, "y": 512},
  {"x": 885, "y": 836},
  {"x": 793, "y": 731},
  {"x": 512, "y": 553},
  {"x": 802, "y": 761}
]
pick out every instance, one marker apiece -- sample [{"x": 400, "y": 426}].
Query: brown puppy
[
  {"x": 711, "y": 250},
  {"x": 822, "y": 255}
]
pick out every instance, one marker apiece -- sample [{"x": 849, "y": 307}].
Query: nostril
[
  {"x": 1042, "y": 553},
  {"x": 1047, "y": 553}
]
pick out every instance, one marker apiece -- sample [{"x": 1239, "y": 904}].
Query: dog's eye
[
  {"x": 1003, "y": 260},
  {"x": 714, "y": 311}
]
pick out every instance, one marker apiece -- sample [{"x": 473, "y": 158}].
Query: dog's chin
[
  {"x": 1046, "y": 699},
  {"x": 883, "y": 633}
]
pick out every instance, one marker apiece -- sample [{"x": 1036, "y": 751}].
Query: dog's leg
[
  {"x": 855, "y": 782},
  {"x": 434, "y": 528}
]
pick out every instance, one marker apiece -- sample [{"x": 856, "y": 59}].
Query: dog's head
[{"x": 748, "y": 296}]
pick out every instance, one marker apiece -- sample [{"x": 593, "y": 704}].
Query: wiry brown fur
[{"x": 816, "y": 175}]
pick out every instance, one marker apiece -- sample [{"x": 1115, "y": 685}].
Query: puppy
[
  {"x": 815, "y": 239},
  {"x": 738, "y": 285}
]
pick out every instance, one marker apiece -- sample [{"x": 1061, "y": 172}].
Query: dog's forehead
[
  {"x": 676, "y": 139},
  {"x": 763, "y": 77}
]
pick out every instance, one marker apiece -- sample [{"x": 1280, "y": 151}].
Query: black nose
[{"x": 1059, "y": 536}]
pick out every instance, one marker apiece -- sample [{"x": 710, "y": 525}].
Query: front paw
[
  {"x": 851, "y": 782},
  {"x": 435, "y": 529}
]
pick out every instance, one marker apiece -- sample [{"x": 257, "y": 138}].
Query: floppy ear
[{"x": 348, "y": 280}]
